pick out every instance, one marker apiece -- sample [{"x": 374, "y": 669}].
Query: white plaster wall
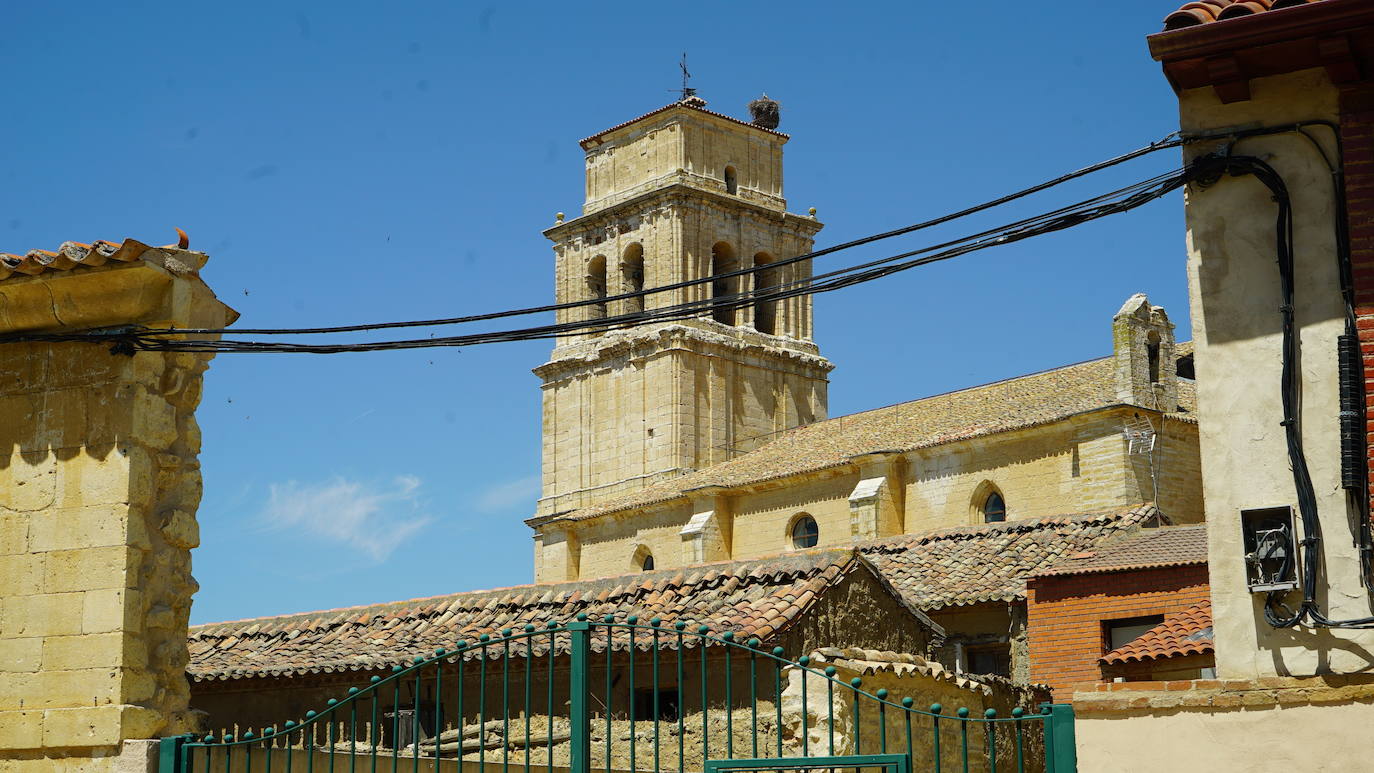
[{"x": 1234, "y": 294}]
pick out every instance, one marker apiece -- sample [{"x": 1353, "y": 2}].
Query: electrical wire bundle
[{"x": 130, "y": 339}]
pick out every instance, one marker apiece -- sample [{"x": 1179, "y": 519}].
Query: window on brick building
[
  {"x": 1119, "y": 633},
  {"x": 805, "y": 532},
  {"x": 994, "y": 508}
]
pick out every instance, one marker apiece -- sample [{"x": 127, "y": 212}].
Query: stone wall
[
  {"x": 1075, "y": 465},
  {"x": 811, "y": 729},
  {"x": 99, "y": 484}
]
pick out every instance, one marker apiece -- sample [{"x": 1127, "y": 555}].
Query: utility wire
[
  {"x": 1169, "y": 141},
  {"x": 1120, "y": 200}
]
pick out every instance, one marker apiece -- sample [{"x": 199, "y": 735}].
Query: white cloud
[
  {"x": 371, "y": 518},
  {"x": 503, "y": 496}
]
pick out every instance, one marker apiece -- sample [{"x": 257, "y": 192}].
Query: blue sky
[{"x": 352, "y": 162}]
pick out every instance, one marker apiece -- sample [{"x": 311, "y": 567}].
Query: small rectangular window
[{"x": 1119, "y": 633}]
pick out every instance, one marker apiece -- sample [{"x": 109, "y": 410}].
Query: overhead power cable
[
  {"x": 1120, "y": 200},
  {"x": 1170, "y": 141}
]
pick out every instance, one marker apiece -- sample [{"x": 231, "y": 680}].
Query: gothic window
[
  {"x": 632, "y": 277},
  {"x": 647, "y": 564},
  {"x": 994, "y": 508},
  {"x": 805, "y": 532},
  {"x": 731, "y": 184},
  {"x": 596, "y": 287},
  {"x": 765, "y": 312},
  {"x": 723, "y": 262}
]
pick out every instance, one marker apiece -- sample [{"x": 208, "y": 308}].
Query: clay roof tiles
[
  {"x": 1212, "y": 11},
  {"x": 740, "y": 597},
  {"x": 991, "y": 562},
  {"x": 1002, "y": 406},
  {"x": 1157, "y": 548},
  {"x": 1184, "y": 633},
  {"x": 72, "y": 255}
]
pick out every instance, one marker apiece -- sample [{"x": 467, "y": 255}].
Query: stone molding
[
  {"x": 1266, "y": 691},
  {"x": 637, "y": 344}
]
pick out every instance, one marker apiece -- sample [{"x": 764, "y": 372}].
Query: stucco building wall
[
  {"x": 1276, "y": 725},
  {"x": 1234, "y": 293}
]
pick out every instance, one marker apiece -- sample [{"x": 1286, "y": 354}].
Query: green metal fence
[{"x": 591, "y": 696}]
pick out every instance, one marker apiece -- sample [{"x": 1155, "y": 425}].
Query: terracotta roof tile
[
  {"x": 691, "y": 103},
  {"x": 1002, "y": 406},
  {"x": 1212, "y": 11},
  {"x": 360, "y": 638},
  {"x": 1185, "y": 633},
  {"x": 73, "y": 255},
  {"x": 975, "y": 564},
  {"x": 1168, "y": 546}
]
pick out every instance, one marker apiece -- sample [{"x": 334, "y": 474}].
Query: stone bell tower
[{"x": 677, "y": 194}]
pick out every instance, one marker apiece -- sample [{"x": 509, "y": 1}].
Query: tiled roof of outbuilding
[
  {"x": 976, "y": 564},
  {"x": 1170, "y": 546},
  {"x": 76, "y": 255},
  {"x": 1210, "y": 11},
  {"x": 1185, "y": 633},
  {"x": 1001, "y": 406},
  {"x": 751, "y": 598}
]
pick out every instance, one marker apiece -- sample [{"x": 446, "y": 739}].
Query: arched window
[
  {"x": 632, "y": 277},
  {"x": 994, "y": 508},
  {"x": 596, "y": 287},
  {"x": 1152, "y": 354},
  {"x": 643, "y": 560},
  {"x": 805, "y": 533},
  {"x": 723, "y": 261},
  {"x": 731, "y": 183},
  {"x": 765, "y": 312}
]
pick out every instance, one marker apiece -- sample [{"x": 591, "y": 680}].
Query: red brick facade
[
  {"x": 1066, "y": 616},
  {"x": 1357, "y": 135}
]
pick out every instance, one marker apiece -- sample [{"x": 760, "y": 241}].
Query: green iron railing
[{"x": 657, "y": 706}]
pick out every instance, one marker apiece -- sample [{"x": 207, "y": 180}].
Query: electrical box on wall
[{"x": 1271, "y": 555}]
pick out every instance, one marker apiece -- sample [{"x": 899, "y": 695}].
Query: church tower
[{"x": 680, "y": 193}]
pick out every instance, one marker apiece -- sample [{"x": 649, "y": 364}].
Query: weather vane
[{"x": 687, "y": 91}]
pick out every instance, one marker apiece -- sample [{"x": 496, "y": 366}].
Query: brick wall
[
  {"x": 1065, "y": 616},
  {"x": 1357, "y": 134}
]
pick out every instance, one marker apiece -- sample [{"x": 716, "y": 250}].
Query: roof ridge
[
  {"x": 1022, "y": 525},
  {"x": 798, "y": 562}
]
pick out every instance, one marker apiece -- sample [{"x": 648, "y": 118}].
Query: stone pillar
[{"x": 99, "y": 484}]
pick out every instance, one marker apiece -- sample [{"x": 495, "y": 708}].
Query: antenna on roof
[{"x": 1140, "y": 441}]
